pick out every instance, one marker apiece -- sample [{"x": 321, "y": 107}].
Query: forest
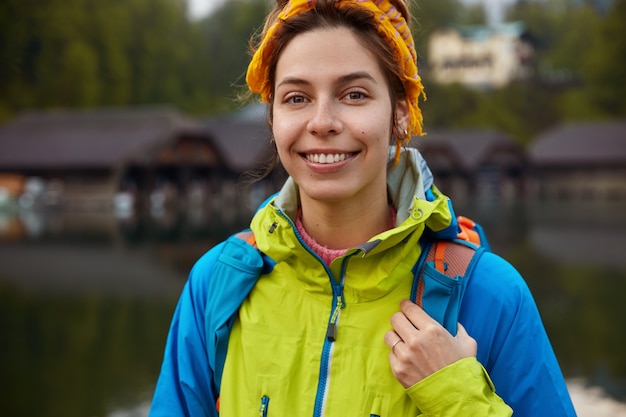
[{"x": 59, "y": 54}]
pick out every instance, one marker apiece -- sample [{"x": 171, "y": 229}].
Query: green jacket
[{"x": 280, "y": 360}]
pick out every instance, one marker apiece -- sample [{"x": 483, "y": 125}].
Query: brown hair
[{"x": 326, "y": 15}]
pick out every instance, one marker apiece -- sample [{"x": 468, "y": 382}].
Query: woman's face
[{"x": 332, "y": 117}]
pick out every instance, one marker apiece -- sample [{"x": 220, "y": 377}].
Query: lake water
[{"x": 86, "y": 299}]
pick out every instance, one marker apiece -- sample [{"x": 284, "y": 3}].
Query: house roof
[
  {"x": 589, "y": 143},
  {"x": 467, "y": 150},
  {"x": 88, "y": 138},
  {"x": 480, "y": 33},
  {"x": 243, "y": 141}
]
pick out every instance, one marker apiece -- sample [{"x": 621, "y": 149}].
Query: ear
[{"x": 402, "y": 117}]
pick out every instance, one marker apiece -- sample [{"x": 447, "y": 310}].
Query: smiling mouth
[{"x": 321, "y": 158}]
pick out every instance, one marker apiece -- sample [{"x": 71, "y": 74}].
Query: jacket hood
[
  {"x": 408, "y": 182},
  {"x": 410, "y": 188}
]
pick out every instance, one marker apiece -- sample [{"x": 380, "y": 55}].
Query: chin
[{"x": 325, "y": 195}]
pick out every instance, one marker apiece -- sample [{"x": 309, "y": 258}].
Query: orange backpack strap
[
  {"x": 468, "y": 231},
  {"x": 439, "y": 250},
  {"x": 450, "y": 258},
  {"x": 248, "y": 237},
  {"x": 440, "y": 278}
]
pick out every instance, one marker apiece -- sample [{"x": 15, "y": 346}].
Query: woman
[{"x": 328, "y": 330}]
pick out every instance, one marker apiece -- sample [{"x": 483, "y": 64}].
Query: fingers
[
  {"x": 414, "y": 327},
  {"x": 468, "y": 345},
  {"x": 392, "y": 339},
  {"x": 420, "y": 346},
  {"x": 418, "y": 317},
  {"x": 410, "y": 318}
]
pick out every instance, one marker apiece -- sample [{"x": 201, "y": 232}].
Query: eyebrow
[{"x": 358, "y": 75}]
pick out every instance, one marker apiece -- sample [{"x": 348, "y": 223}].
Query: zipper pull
[
  {"x": 265, "y": 402},
  {"x": 332, "y": 332},
  {"x": 332, "y": 327}
]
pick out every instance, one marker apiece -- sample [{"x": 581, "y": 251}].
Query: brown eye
[
  {"x": 296, "y": 99},
  {"x": 355, "y": 95}
]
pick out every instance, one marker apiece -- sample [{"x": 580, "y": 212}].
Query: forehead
[{"x": 324, "y": 53}]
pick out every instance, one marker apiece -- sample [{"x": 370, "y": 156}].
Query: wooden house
[
  {"x": 93, "y": 159},
  {"x": 244, "y": 141},
  {"x": 484, "y": 57},
  {"x": 580, "y": 161},
  {"x": 474, "y": 163}
]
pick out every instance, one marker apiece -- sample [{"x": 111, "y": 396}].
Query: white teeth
[{"x": 326, "y": 158}]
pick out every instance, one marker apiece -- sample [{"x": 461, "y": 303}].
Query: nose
[{"x": 325, "y": 119}]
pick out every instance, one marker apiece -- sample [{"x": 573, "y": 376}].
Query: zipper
[
  {"x": 339, "y": 303},
  {"x": 265, "y": 402},
  {"x": 338, "y": 300},
  {"x": 327, "y": 351}
]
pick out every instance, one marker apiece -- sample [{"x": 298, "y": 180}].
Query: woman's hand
[{"x": 420, "y": 346}]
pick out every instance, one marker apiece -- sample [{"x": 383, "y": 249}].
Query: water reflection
[
  {"x": 573, "y": 257},
  {"x": 77, "y": 356},
  {"x": 85, "y": 303},
  {"x": 85, "y": 299}
]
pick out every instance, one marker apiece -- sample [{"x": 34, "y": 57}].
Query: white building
[{"x": 480, "y": 56}]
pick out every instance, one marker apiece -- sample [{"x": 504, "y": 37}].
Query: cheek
[
  {"x": 378, "y": 134},
  {"x": 283, "y": 135},
  {"x": 377, "y": 122}
]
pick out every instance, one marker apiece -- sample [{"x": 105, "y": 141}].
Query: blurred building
[
  {"x": 480, "y": 56},
  {"x": 156, "y": 159},
  {"x": 475, "y": 163},
  {"x": 580, "y": 161},
  {"x": 126, "y": 158}
]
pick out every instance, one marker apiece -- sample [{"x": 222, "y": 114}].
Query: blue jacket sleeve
[
  {"x": 184, "y": 384},
  {"x": 196, "y": 346},
  {"x": 499, "y": 311}
]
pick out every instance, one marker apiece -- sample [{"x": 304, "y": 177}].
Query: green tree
[
  {"x": 87, "y": 53},
  {"x": 606, "y": 67},
  {"x": 227, "y": 33},
  {"x": 520, "y": 109},
  {"x": 577, "y": 38},
  {"x": 80, "y": 53},
  {"x": 111, "y": 34},
  {"x": 430, "y": 15},
  {"x": 542, "y": 21},
  {"x": 448, "y": 106},
  {"x": 473, "y": 14},
  {"x": 80, "y": 84}
]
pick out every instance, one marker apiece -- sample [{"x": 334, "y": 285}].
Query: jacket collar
[{"x": 419, "y": 204}]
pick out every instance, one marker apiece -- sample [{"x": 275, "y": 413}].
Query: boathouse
[
  {"x": 475, "y": 163},
  {"x": 580, "y": 161},
  {"x": 122, "y": 158}
]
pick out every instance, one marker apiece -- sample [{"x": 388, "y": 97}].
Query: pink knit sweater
[{"x": 328, "y": 255}]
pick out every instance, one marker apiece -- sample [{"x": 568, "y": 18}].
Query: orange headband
[{"x": 391, "y": 26}]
